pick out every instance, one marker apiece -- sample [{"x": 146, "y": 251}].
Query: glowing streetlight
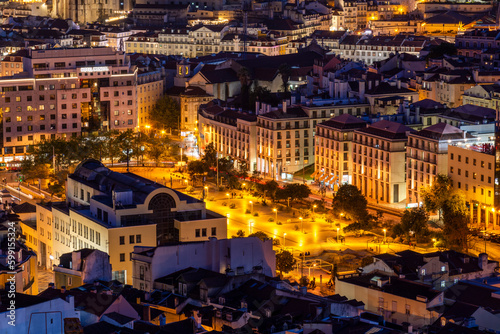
[
  {"x": 314, "y": 207},
  {"x": 338, "y": 229},
  {"x": 301, "y": 224},
  {"x": 251, "y": 203},
  {"x": 206, "y": 191},
  {"x": 284, "y": 239},
  {"x": 276, "y": 214},
  {"x": 385, "y": 235}
]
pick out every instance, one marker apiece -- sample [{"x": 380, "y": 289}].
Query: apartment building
[
  {"x": 445, "y": 87},
  {"x": 285, "y": 139},
  {"x": 472, "y": 169},
  {"x": 233, "y": 133},
  {"x": 23, "y": 268},
  {"x": 487, "y": 96},
  {"x": 113, "y": 212},
  {"x": 10, "y": 65},
  {"x": 334, "y": 150},
  {"x": 396, "y": 299},
  {"x": 472, "y": 43},
  {"x": 150, "y": 88},
  {"x": 379, "y": 156},
  {"x": 427, "y": 156},
  {"x": 64, "y": 92}
]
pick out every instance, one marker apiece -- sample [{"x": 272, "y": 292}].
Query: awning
[
  {"x": 335, "y": 179},
  {"x": 313, "y": 175},
  {"x": 329, "y": 178},
  {"x": 322, "y": 177}
]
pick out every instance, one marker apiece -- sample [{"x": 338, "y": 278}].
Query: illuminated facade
[{"x": 66, "y": 92}]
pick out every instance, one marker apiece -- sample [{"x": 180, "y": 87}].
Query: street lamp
[
  {"x": 206, "y": 191},
  {"x": 251, "y": 226},
  {"x": 284, "y": 239},
  {"x": 338, "y": 229},
  {"x": 276, "y": 214},
  {"x": 314, "y": 207},
  {"x": 227, "y": 194},
  {"x": 433, "y": 242},
  {"x": 301, "y": 224},
  {"x": 385, "y": 235},
  {"x": 251, "y": 203}
]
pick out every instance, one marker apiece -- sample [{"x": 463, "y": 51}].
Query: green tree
[
  {"x": 210, "y": 156},
  {"x": 455, "y": 218},
  {"x": 351, "y": 202},
  {"x": 111, "y": 146},
  {"x": 296, "y": 191},
  {"x": 259, "y": 234},
  {"x": 268, "y": 189},
  {"x": 245, "y": 81},
  {"x": 413, "y": 220},
  {"x": 285, "y": 262},
  {"x": 157, "y": 148},
  {"x": 166, "y": 111},
  {"x": 436, "y": 196},
  {"x": 127, "y": 142},
  {"x": 196, "y": 169},
  {"x": 239, "y": 234},
  {"x": 263, "y": 95},
  {"x": 33, "y": 172},
  {"x": 285, "y": 72}
]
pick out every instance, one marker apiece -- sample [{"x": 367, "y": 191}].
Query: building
[
  {"x": 445, "y": 86},
  {"x": 82, "y": 267},
  {"x": 439, "y": 270},
  {"x": 427, "y": 156},
  {"x": 232, "y": 132},
  {"x": 396, "y": 299},
  {"x": 23, "y": 272},
  {"x": 10, "y": 65},
  {"x": 64, "y": 93},
  {"x": 472, "y": 169},
  {"x": 113, "y": 212},
  {"x": 334, "y": 150},
  {"x": 87, "y": 11},
  {"x": 36, "y": 312},
  {"x": 376, "y": 150},
  {"x": 236, "y": 256},
  {"x": 487, "y": 96},
  {"x": 150, "y": 88}
]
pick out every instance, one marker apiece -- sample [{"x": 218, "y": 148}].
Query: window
[
  {"x": 214, "y": 231},
  {"x": 197, "y": 233},
  {"x": 443, "y": 284},
  {"x": 443, "y": 268},
  {"x": 407, "y": 309},
  {"x": 98, "y": 238},
  {"x": 131, "y": 239},
  {"x": 122, "y": 240},
  {"x": 138, "y": 239},
  {"x": 203, "y": 232},
  {"x": 122, "y": 257}
]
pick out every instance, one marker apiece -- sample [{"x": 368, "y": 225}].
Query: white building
[{"x": 235, "y": 256}]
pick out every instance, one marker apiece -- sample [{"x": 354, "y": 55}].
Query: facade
[
  {"x": 89, "y": 11},
  {"x": 427, "y": 156},
  {"x": 396, "y": 299},
  {"x": 472, "y": 169},
  {"x": 487, "y": 96},
  {"x": 24, "y": 269},
  {"x": 377, "y": 149},
  {"x": 334, "y": 150},
  {"x": 10, "y": 65},
  {"x": 447, "y": 87},
  {"x": 233, "y": 133},
  {"x": 82, "y": 267},
  {"x": 235, "y": 256},
  {"x": 150, "y": 88},
  {"x": 66, "y": 92},
  {"x": 114, "y": 212}
]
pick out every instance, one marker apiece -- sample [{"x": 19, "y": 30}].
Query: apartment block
[
  {"x": 66, "y": 92},
  {"x": 427, "y": 156},
  {"x": 334, "y": 150},
  {"x": 379, "y": 156},
  {"x": 471, "y": 167},
  {"x": 113, "y": 212},
  {"x": 10, "y": 65},
  {"x": 150, "y": 88},
  {"x": 233, "y": 133}
]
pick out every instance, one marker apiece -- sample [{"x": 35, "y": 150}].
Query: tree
[
  {"x": 437, "y": 51},
  {"x": 111, "y": 146},
  {"x": 239, "y": 234},
  {"x": 350, "y": 201},
  {"x": 196, "y": 168},
  {"x": 285, "y": 261},
  {"x": 263, "y": 95},
  {"x": 210, "y": 156},
  {"x": 436, "y": 196},
  {"x": 126, "y": 140},
  {"x": 245, "y": 81},
  {"x": 285, "y": 72},
  {"x": 32, "y": 171},
  {"x": 259, "y": 234},
  {"x": 269, "y": 188},
  {"x": 297, "y": 191},
  {"x": 413, "y": 220},
  {"x": 157, "y": 148},
  {"x": 166, "y": 111},
  {"x": 455, "y": 218}
]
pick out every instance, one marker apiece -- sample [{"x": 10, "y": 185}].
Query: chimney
[
  {"x": 51, "y": 285},
  {"x": 465, "y": 134},
  {"x": 146, "y": 314},
  {"x": 63, "y": 289},
  {"x": 399, "y": 84},
  {"x": 417, "y": 115},
  {"x": 257, "y": 106},
  {"x": 362, "y": 84},
  {"x": 284, "y": 106}
]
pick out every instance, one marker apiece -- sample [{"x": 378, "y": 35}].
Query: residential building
[
  {"x": 113, "y": 212},
  {"x": 10, "y": 65},
  {"x": 236, "y": 256},
  {"x": 36, "y": 312},
  {"x": 22, "y": 269},
  {"x": 445, "y": 86},
  {"x": 87, "y": 11},
  {"x": 150, "y": 88},
  {"x": 439, "y": 270},
  {"x": 64, "y": 90},
  {"x": 189, "y": 99},
  {"x": 396, "y": 299},
  {"x": 376, "y": 150},
  {"x": 487, "y": 96},
  {"x": 471, "y": 167},
  {"x": 474, "y": 42},
  {"x": 82, "y": 267},
  {"x": 427, "y": 156},
  {"x": 334, "y": 150},
  {"x": 232, "y": 132}
]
